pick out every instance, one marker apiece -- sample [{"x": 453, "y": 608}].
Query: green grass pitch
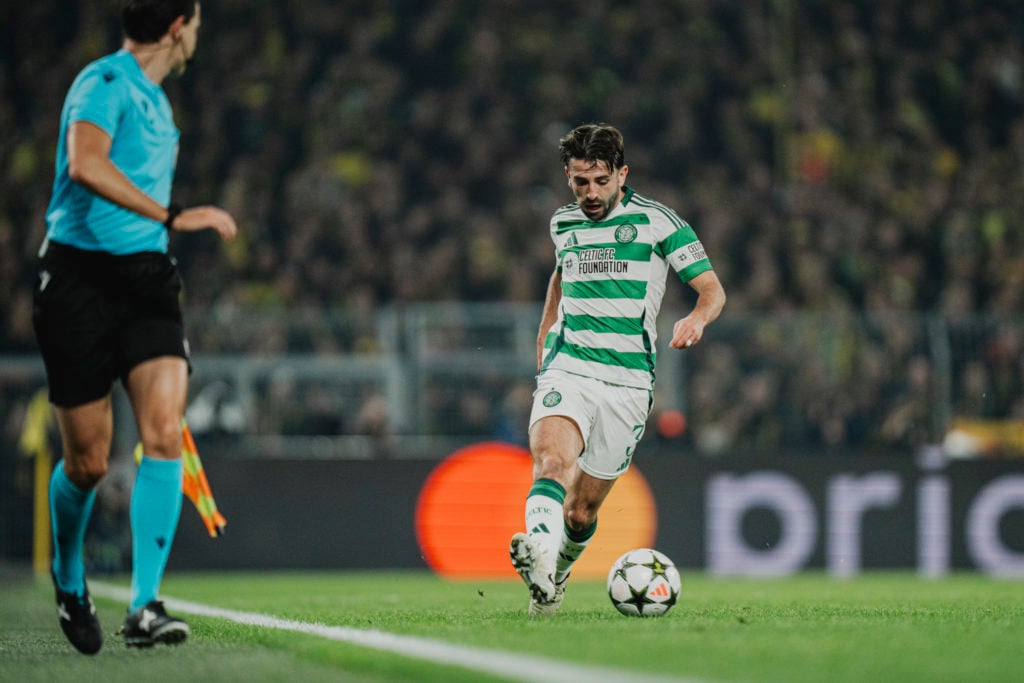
[{"x": 877, "y": 627}]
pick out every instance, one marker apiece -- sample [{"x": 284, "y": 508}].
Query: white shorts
[{"x": 610, "y": 417}]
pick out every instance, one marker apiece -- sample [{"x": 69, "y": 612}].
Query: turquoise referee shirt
[{"x": 114, "y": 94}]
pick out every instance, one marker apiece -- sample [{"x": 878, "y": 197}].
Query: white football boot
[
  {"x": 535, "y": 567},
  {"x": 548, "y": 609}
]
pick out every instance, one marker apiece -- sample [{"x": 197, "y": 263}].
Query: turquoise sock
[
  {"x": 155, "y": 508},
  {"x": 70, "y": 509}
]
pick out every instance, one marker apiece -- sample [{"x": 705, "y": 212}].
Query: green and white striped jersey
[{"x": 613, "y": 281}]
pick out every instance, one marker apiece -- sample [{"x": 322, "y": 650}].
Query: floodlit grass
[{"x": 884, "y": 627}]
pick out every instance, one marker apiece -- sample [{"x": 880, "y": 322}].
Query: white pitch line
[{"x": 497, "y": 662}]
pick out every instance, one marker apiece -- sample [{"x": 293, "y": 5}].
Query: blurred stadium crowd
[{"x": 839, "y": 158}]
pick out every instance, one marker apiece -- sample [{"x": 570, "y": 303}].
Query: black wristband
[{"x": 172, "y": 212}]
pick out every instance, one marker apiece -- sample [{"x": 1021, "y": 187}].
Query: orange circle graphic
[{"x": 475, "y": 499}]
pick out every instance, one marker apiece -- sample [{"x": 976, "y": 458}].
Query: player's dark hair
[
  {"x": 145, "y": 21},
  {"x": 594, "y": 142}
]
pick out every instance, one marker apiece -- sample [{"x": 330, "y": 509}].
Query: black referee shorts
[{"x": 98, "y": 315}]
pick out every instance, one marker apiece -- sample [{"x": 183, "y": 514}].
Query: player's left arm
[
  {"x": 710, "y": 300},
  {"x": 549, "y": 314},
  {"x": 89, "y": 165}
]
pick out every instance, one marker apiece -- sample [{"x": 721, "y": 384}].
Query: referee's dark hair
[
  {"x": 594, "y": 142},
  {"x": 144, "y": 21}
]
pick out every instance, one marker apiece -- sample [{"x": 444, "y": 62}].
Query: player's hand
[
  {"x": 204, "y": 217},
  {"x": 686, "y": 333}
]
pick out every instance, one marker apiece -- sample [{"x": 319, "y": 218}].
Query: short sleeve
[
  {"x": 684, "y": 253},
  {"x": 96, "y": 97}
]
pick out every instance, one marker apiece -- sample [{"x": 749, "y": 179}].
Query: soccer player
[
  {"x": 106, "y": 307},
  {"x": 595, "y": 351}
]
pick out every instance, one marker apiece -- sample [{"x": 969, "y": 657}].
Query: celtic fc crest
[
  {"x": 625, "y": 234},
  {"x": 551, "y": 399}
]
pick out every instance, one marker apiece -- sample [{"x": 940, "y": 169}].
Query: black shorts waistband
[
  {"x": 67, "y": 251},
  {"x": 102, "y": 266},
  {"x": 65, "y": 254}
]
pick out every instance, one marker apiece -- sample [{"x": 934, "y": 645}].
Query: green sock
[{"x": 573, "y": 544}]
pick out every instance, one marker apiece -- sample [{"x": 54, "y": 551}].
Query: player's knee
[
  {"x": 87, "y": 469},
  {"x": 163, "y": 438},
  {"x": 549, "y": 466}
]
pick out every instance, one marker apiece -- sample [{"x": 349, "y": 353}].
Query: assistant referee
[{"x": 107, "y": 308}]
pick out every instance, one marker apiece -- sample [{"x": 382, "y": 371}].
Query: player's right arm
[
  {"x": 89, "y": 165},
  {"x": 710, "y": 300},
  {"x": 550, "y": 313}
]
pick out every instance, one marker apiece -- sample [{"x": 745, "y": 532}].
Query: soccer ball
[{"x": 643, "y": 583}]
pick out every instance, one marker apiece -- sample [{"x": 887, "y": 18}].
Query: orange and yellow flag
[{"x": 194, "y": 483}]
